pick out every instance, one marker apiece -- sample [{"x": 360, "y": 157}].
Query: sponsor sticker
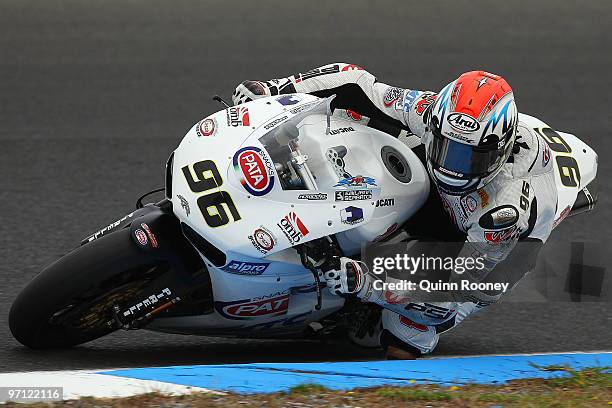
[
  {"x": 150, "y": 234},
  {"x": 246, "y": 268},
  {"x": 409, "y": 99},
  {"x": 184, "y": 204},
  {"x": 255, "y": 170},
  {"x": 424, "y": 103},
  {"x": 351, "y": 67},
  {"x": 351, "y": 215},
  {"x": 353, "y": 195},
  {"x": 108, "y": 228},
  {"x": 469, "y": 204},
  {"x": 275, "y": 122},
  {"x": 262, "y": 239},
  {"x": 499, "y": 236},
  {"x": 341, "y": 130},
  {"x": 148, "y": 302},
  {"x": 354, "y": 115},
  {"x": 385, "y": 202},
  {"x": 141, "y": 237},
  {"x": 562, "y": 216},
  {"x": 238, "y": 116},
  {"x": 463, "y": 122},
  {"x": 302, "y": 107},
  {"x": 287, "y": 100},
  {"x": 392, "y": 95},
  {"x": 484, "y": 198},
  {"x": 313, "y": 196},
  {"x": 292, "y": 226},
  {"x": 271, "y": 305},
  {"x": 206, "y": 127},
  {"x": 356, "y": 181}
]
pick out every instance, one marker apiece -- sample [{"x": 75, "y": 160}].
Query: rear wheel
[{"x": 71, "y": 301}]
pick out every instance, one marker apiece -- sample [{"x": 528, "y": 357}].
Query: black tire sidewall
[{"x": 77, "y": 272}]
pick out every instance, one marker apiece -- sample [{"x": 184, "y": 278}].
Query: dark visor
[{"x": 464, "y": 159}]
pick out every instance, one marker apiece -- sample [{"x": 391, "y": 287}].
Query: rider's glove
[
  {"x": 348, "y": 278},
  {"x": 249, "y": 91}
]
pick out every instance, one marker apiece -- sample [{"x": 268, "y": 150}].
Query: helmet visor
[{"x": 462, "y": 160}]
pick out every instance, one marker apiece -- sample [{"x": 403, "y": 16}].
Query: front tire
[{"x": 71, "y": 301}]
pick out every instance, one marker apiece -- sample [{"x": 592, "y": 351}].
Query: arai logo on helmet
[
  {"x": 463, "y": 122},
  {"x": 255, "y": 170}
]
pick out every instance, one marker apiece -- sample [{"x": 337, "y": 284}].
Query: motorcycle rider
[{"x": 492, "y": 174}]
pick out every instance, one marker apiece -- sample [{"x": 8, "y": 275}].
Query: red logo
[
  {"x": 141, "y": 237},
  {"x": 351, "y": 67},
  {"x": 238, "y": 116},
  {"x": 150, "y": 234},
  {"x": 256, "y": 307},
  {"x": 206, "y": 127},
  {"x": 256, "y": 170},
  {"x": 293, "y": 227},
  {"x": 497, "y": 237},
  {"x": 353, "y": 115},
  {"x": 409, "y": 323},
  {"x": 392, "y": 95},
  {"x": 562, "y": 216},
  {"x": 264, "y": 239},
  {"x": 424, "y": 103}
]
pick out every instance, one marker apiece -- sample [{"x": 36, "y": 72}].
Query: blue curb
[{"x": 275, "y": 377}]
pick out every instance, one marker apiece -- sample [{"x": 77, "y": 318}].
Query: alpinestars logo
[
  {"x": 293, "y": 227},
  {"x": 238, "y": 116}
]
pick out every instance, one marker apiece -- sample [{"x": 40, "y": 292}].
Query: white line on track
[{"x": 90, "y": 383}]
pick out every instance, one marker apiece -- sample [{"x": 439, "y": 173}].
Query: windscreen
[{"x": 282, "y": 144}]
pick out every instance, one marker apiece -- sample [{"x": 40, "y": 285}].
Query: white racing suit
[{"x": 518, "y": 204}]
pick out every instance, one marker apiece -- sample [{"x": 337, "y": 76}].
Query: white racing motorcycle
[{"x": 254, "y": 193}]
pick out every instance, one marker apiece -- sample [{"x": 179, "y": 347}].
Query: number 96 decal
[
  {"x": 214, "y": 205},
  {"x": 566, "y": 164}
]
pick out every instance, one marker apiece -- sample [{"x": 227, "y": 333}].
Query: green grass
[
  {"x": 413, "y": 394},
  {"x": 591, "y": 387}
]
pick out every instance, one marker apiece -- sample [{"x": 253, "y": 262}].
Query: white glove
[
  {"x": 350, "y": 278},
  {"x": 249, "y": 91}
]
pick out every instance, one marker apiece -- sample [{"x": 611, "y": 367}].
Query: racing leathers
[{"x": 519, "y": 204}]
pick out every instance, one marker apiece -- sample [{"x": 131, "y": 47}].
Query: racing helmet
[{"x": 470, "y": 132}]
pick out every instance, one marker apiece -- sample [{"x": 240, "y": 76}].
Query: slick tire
[{"x": 64, "y": 305}]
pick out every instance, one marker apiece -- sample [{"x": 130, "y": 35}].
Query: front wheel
[{"x": 71, "y": 301}]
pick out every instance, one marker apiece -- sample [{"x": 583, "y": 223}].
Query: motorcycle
[{"x": 254, "y": 194}]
